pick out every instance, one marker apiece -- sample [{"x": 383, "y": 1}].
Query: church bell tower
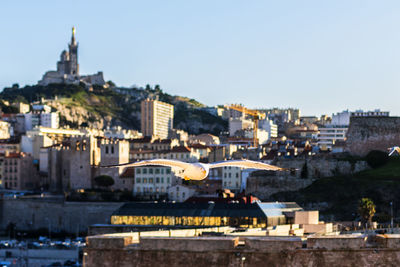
[{"x": 73, "y": 55}]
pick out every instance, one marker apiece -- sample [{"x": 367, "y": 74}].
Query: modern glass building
[{"x": 257, "y": 214}]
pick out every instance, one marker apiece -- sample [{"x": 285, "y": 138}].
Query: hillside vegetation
[
  {"x": 79, "y": 107},
  {"x": 337, "y": 197}
]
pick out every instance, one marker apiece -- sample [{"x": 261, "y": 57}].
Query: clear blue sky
[{"x": 319, "y": 56}]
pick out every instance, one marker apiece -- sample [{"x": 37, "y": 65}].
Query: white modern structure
[
  {"x": 329, "y": 135},
  {"x": 269, "y": 126}
]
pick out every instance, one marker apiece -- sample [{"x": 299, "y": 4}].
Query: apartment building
[
  {"x": 153, "y": 181},
  {"x": 231, "y": 178},
  {"x": 18, "y": 172},
  {"x": 156, "y": 118}
]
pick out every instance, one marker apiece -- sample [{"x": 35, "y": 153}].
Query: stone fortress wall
[
  {"x": 343, "y": 250},
  {"x": 30, "y": 214},
  {"x": 372, "y": 133}
]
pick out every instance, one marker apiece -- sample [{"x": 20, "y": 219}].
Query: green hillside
[
  {"x": 338, "y": 196},
  {"x": 113, "y": 106}
]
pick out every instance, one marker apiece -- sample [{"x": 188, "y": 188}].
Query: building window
[
  {"x": 145, "y": 171},
  {"x": 150, "y": 170},
  {"x": 157, "y": 171},
  {"x": 162, "y": 179},
  {"x": 137, "y": 171},
  {"x": 106, "y": 149},
  {"x": 168, "y": 171},
  {"x": 157, "y": 180},
  {"x": 138, "y": 180}
]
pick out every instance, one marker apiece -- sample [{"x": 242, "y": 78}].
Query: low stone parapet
[
  {"x": 337, "y": 242},
  {"x": 272, "y": 244},
  {"x": 112, "y": 241},
  {"x": 388, "y": 241},
  {"x": 188, "y": 243}
]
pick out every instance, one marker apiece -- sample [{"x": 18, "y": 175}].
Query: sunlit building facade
[{"x": 255, "y": 214}]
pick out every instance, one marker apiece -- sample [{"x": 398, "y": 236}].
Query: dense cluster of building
[{"x": 38, "y": 154}]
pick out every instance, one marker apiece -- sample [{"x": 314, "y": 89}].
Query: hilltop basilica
[{"x": 68, "y": 69}]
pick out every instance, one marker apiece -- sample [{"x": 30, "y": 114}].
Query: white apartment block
[
  {"x": 232, "y": 178},
  {"x": 374, "y": 113},
  {"x": 329, "y": 135},
  {"x": 269, "y": 126},
  {"x": 49, "y": 120},
  {"x": 153, "y": 180},
  {"x": 343, "y": 118},
  {"x": 156, "y": 118}
]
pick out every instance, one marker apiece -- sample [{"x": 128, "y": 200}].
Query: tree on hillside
[
  {"x": 376, "y": 158},
  {"x": 366, "y": 209},
  {"x": 104, "y": 181},
  {"x": 304, "y": 171}
]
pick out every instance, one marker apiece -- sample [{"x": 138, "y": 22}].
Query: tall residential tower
[{"x": 157, "y": 118}]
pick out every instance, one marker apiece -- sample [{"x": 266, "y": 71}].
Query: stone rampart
[
  {"x": 199, "y": 244},
  {"x": 372, "y": 133},
  {"x": 276, "y": 244},
  {"x": 337, "y": 242},
  {"x": 55, "y": 214},
  {"x": 251, "y": 251}
]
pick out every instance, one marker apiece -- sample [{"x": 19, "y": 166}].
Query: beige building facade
[
  {"x": 18, "y": 172},
  {"x": 156, "y": 118}
]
